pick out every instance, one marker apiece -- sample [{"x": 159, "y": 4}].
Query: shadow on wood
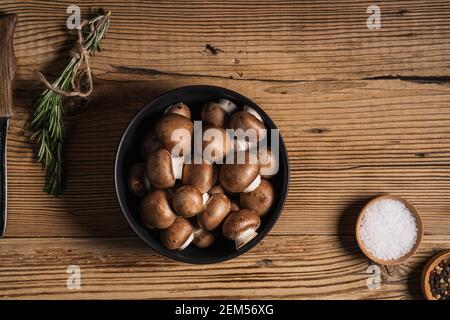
[
  {"x": 92, "y": 136},
  {"x": 347, "y": 224}
]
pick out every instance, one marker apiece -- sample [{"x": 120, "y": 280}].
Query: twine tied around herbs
[
  {"x": 74, "y": 83},
  {"x": 82, "y": 67}
]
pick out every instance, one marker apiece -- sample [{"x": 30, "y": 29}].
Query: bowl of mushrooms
[{"x": 201, "y": 174}]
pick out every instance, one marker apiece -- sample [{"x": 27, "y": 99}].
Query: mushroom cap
[
  {"x": 200, "y": 176},
  {"x": 236, "y": 177},
  {"x": 155, "y": 210},
  {"x": 260, "y": 200},
  {"x": 214, "y": 115},
  {"x": 202, "y": 238},
  {"x": 245, "y": 120},
  {"x": 149, "y": 144},
  {"x": 166, "y": 127},
  {"x": 159, "y": 169},
  {"x": 216, "y": 189},
  {"x": 215, "y": 144},
  {"x": 217, "y": 208},
  {"x": 136, "y": 179},
  {"x": 187, "y": 201},
  {"x": 240, "y": 221},
  {"x": 177, "y": 234},
  {"x": 181, "y": 109}
]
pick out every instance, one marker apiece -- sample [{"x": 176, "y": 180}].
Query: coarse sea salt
[{"x": 388, "y": 229}]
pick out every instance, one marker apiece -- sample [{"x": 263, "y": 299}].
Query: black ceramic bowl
[{"x": 129, "y": 153}]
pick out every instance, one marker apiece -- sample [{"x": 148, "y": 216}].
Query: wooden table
[{"x": 363, "y": 112}]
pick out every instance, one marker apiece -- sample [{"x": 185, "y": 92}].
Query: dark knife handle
[{"x": 3, "y": 175}]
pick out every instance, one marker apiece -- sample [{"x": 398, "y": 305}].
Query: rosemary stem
[{"x": 47, "y": 120}]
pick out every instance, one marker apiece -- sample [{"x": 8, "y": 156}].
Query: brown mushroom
[
  {"x": 202, "y": 238},
  {"x": 188, "y": 201},
  {"x": 253, "y": 112},
  {"x": 200, "y": 176},
  {"x": 149, "y": 144},
  {"x": 215, "y": 212},
  {"x": 175, "y": 133},
  {"x": 181, "y": 109},
  {"x": 241, "y": 226},
  {"x": 240, "y": 177},
  {"x": 248, "y": 129},
  {"x": 137, "y": 180},
  {"x": 214, "y": 115},
  {"x": 155, "y": 210},
  {"x": 179, "y": 235},
  {"x": 163, "y": 169},
  {"x": 260, "y": 200},
  {"x": 269, "y": 163},
  {"x": 216, "y": 189},
  {"x": 215, "y": 144},
  {"x": 249, "y": 123}
]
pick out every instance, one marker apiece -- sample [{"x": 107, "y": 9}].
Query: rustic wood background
[{"x": 362, "y": 112}]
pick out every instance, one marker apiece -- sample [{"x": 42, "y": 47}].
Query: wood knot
[
  {"x": 212, "y": 50},
  {"x": 421, "y": 154},
  {"x": 264, "y": 263},
  {"x": 319, "y": 130}
]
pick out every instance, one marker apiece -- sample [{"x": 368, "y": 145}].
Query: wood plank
[
  {"x": 362, "y": 113},
  {"x": 266, "y": 40},
  {"x": 323, "y": 267},
  {"x": 347, "y": 141}
]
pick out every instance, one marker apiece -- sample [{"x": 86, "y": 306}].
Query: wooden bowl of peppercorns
[{"x": 436, "y": 277}]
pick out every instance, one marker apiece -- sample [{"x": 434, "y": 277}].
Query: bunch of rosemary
[{"x": 47, "y": 119}]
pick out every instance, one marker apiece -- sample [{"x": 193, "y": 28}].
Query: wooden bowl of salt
[{"x": 389, "y": 230}]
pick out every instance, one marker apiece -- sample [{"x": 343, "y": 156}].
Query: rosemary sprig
[{"x": 47, "y": 119}]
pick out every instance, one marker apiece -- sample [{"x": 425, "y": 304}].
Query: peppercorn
[{"x": 440, "y": 280}]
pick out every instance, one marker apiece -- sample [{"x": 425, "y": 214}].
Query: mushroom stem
[
  {"x": 205, "y": 198},
  {"x": 245, "y": 237},
  {"x": 253, "y": 112},
  {"x": 228, "y": 106},
  {"x": 179, "y": 108},
  {"x": 255, "y": 184},
  {"x": 187, "y": 242},
  {"x": 244, "y": 145},
  {"x": 177, "y": 167}
]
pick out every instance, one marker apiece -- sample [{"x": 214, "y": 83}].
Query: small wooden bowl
[
  {"x": 431, "y": 264},
  {"x": 419, "y": 227}
]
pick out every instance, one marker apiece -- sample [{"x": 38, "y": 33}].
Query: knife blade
[
  {"x": 3, "y": 176},
  {"x": 7, "y": 69}
]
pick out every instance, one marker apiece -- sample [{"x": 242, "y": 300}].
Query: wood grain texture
[
  {"x": 7, "y": 63},
  {"x": 362, "y": 113},
  {"x": 347, "y": 142},
  {"x": 320, "y": 267},
  {"x": 267, "y": 40}
]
